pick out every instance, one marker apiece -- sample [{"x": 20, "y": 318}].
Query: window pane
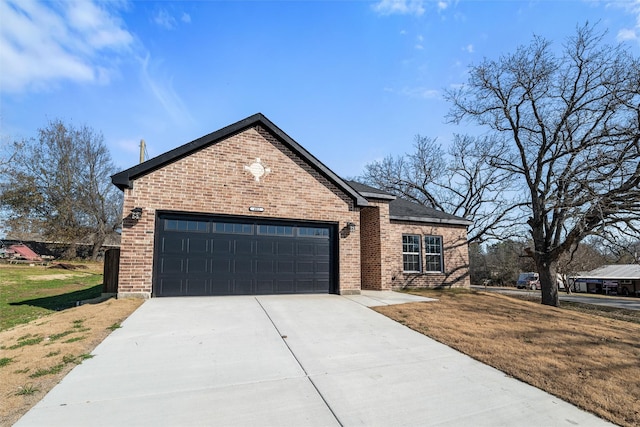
[
  {"x": 411, "y": 253},
  {"x": 411, "y": 262},
  {"x": 275, "y": 230},
  {"x": 233, "y": 228},
  {"x": 185, "y": 225},
  {"x": 432, "y": 244},
  {"x": 433, "y": 251},
  {"x": 313, "y": 232}
]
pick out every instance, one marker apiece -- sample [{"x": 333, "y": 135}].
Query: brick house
[{"x": 247, "y": 210}]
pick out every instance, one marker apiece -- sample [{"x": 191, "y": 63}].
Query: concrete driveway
[{"x": 286, "y": 361}]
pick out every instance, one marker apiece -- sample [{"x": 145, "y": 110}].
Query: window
[
  {"x": 313, "y": 232},
  {"x": 186, "y": 225},
  {"x": 433, "y": 252},
  {"x": 411, "y": 253},
  {"x": 233, "y": 228},
  {"x": 275, "y": 230}
]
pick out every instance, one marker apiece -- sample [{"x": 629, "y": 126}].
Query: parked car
[{"x": 528, "y": 280}]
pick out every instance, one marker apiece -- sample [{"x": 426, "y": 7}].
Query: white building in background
[{"x": 623, "y": 279}]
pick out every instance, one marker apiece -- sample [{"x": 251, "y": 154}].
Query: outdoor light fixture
[
  {"x": 136, "y": 213},
  {"x": 352, "y": 226}
]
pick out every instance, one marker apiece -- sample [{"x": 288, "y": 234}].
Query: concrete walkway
[{"x": 287, "y": 361}]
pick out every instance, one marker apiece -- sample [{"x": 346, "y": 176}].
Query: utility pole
[{"x": 142, "y": 149}]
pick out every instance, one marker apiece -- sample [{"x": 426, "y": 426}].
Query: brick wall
[
  {"x": 381, "y": 245},
  {"x": 456, "y": 256},
  {"x": 378, "y": 253},
  {"x": 370, "y": 262},
  {"x": 214, "y": 180}
]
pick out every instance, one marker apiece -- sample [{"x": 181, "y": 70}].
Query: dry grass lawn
[
  {"x": 590, "y": 361},
  {"x": 35, "y": 356}
]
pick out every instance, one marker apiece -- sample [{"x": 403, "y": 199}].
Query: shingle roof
[
  {"x": 370, "y": 192},
  {"x": 621, "y": 272},
  {"x": 404, "y": 210},
  {"x": 125, "y": 178}
]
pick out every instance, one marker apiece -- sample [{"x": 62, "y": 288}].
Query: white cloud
[
  {"x": 164, "y": 19},
  {"x": 630, "y": 34},
  {"x": 415, "y": 92},
  {"x": 45, "y": 43},
  {"x": 469, "y": 48},
  {"x": 627, "y": 34},
  {"x": 163, "y": 92},
  {"x": 400, "y": 7}
]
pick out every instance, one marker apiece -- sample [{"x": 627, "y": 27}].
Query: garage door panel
[
  {"x": 323, "y": 250},
  {"x": 172, "y": 245},
  {"x": 220, "y": 286},
  {"x": 265, "y": 287},
  {"x": 305, "y": 249},
  {"x": 214, "y": 256},
  {"x": 243, "y": 247},
  {"x": 266, "y": 247},
  {"x": 321, "y": 285},
  {"x": 243, "y": 266},
  {"x": 198, "y": 245},
  {"x": 322, "y": 267},
  {"x": 221, "y": 266},
  {"x": 305, "y": 286},
  {"x": 304, "y": 267},
  {"x": 242, "y": 286},
  {"x": 172, "y": 265},
  {"x": 197, "y": 287},
  {"x": 265, "y": 266},
  {"x": 223, "y": 245},
  {"x": 286, "y": 266},
  {"x": 286, "y": 286},
  {"x": 286, "y": 248},
  {"x": 197, "y": 265},
  {"x": 171, "y": 287}
]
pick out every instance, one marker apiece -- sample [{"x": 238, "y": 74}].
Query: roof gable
[{"x": 125, "y": 178}]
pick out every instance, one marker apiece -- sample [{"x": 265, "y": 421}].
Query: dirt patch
[
  {"x": 587, "y": 360},
  {"x": 34, "y": 357},
  {"x": 56, "y": 276}
]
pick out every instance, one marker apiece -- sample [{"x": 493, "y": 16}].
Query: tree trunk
[
  {"x": 97, "y": 245},
  {"x": 548, "y": 282},
  {"x": 71, "y": 252}
]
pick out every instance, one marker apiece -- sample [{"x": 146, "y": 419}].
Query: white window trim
[{"x": 439, "y": 254}]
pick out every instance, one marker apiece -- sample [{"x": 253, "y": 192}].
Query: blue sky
[{"x": 351, "y": 81}]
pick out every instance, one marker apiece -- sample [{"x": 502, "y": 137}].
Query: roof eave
[
  {"x": 377, "y": 196},
  {"x": 448, "y": 221}
]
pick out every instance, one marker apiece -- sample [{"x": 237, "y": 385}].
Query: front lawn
[{"x": 30, "y": 292}]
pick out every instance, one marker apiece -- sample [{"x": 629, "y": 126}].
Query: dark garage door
[{"x": 214, "y": 256}]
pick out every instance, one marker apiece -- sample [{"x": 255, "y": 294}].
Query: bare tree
[
  {"x": 460, "y": 182},
  {"x": 572, "y": 125},
  {"x": 57, "y": 186}
]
